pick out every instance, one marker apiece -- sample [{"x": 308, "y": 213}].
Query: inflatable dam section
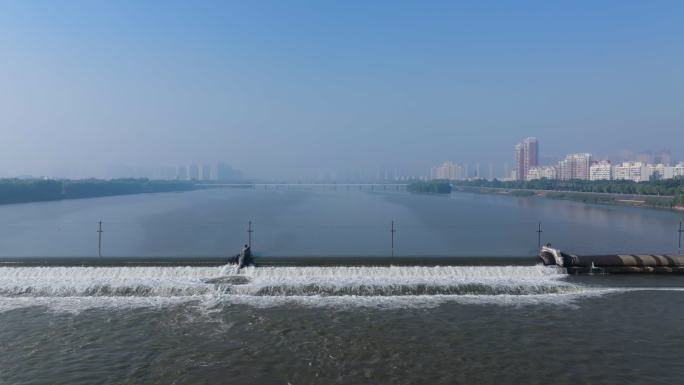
[{"x": 613, "y": 263}]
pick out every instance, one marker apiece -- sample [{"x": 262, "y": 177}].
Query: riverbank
[
  {"x": 632, "y": 200},
  {"x": 656, "y": 193},
  {"x": 43, "y": 190},
  {"x": 431, "y": 187}
]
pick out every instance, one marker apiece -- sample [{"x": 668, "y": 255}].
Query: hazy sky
[{"x": 293, "y": 88}]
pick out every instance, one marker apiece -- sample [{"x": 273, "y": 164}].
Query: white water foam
[
  {"x": 401, "y": 280},
  {"x": 104, "y": 281},
  {"x": 63, "y": 288}
]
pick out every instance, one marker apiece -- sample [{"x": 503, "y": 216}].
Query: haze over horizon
[{"x": 287, "y": 90}]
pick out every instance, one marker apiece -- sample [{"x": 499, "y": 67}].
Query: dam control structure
[{"x": 612, "y": 263}]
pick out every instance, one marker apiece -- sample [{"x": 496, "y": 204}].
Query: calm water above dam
[
  {"x": 334, "y": 324},
  {"x": 316, "y": 222}
]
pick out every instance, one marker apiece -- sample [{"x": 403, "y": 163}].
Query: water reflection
[{"x": 334, "y": 222}]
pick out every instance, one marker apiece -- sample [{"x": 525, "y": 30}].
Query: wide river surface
[
  {"x": 336, "y": 324},
  {"x": 317, "y": 222}
]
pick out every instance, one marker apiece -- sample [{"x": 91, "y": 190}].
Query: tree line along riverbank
[
  {"x": 657, "y": 194},
  {"x": 40, "y": 190},
  {"x": 667, "y": 194}
]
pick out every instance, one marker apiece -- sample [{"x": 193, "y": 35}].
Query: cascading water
[
  {"x": 279, "y": 281},
  {"x": 104, "y": 281},
  {"x": 400, "y": 280}
]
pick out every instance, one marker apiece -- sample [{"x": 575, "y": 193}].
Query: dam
[
  {"x": 267, "y": 261},
  {"x": 613, "y": 263},
  {"x": 548, "y": 256}
]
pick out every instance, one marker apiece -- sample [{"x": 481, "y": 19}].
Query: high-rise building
[
  {"x": 659, "y": 171},
  {"x": 601, "y": 170},
  {"x": 193, "y": 172},
  {"x": 678, "y": 170},
  {"x": 636, "y": 171},
  {"x": 574, "y": 166},
  {"x": 206, "y": 172},
  {"x": 225, "y": 172},
  {"x": 526, "y": 156},
  {"x": 182, "y": 173},
  {"x": 449, "y": 171}
]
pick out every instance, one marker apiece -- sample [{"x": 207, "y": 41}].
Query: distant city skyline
[
  {"x": 458, "y": 170},
  {"x": 639, "y": 167}
]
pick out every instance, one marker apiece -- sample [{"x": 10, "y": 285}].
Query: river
[
  {"x": 334, "y": 324},
  {"x": 315, "y": 222}
]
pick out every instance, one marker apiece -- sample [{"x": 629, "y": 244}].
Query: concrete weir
[
  {"x": 613, "y": 263},
  {"x": 271, "y": 261}
]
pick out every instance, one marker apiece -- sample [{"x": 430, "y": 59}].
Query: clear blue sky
[{"x": 290, "y": 88}]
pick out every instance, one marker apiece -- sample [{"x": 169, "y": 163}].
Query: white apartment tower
[
  {"x": 678, "y": 171},
  {"x": 574, "y": 166},
  {"x": 548, "y": 172},
  {"x": 601, "y": 170},
  {"x": 661, "y": 171},
  {"x": 636, "y": 171}
]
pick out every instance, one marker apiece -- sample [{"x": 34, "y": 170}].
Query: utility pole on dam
[
  {"x": 539, "y": 232},
  {"x": 249, "y": 234},
  {"x": 392, "y": 231},
  {"x": 99, "y": 239},
  {"x": 680, "y": 231}
]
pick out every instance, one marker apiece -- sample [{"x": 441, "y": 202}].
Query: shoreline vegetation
[
  {"x": 430, "y": 187},
  {"x": 663, "y": 194},
  {"x": 43, "y": 190}
]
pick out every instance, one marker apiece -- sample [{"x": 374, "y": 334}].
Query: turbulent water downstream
[
  {"x": 60, "y": 286},
  {"x": 375, "y": 325}
]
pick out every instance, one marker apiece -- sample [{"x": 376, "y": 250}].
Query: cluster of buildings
[
  {"x": 192, "y": 172},
  {"x": 582, "y": 166},
  {"x": 449, "y": 171},
  {"x": 203, "y": 172},
  {"x": 455, "y": 171}
]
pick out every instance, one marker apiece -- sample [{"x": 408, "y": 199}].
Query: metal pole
[
  {"x": 539, "y": 231},
  {"x": 249, "y": 232},
  {"x": 393, "y": 231},
  {"x": 99, "y": 239},
  {"x": 679, "y": 249}
]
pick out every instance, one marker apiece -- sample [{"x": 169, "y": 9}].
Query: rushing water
[
  {"x": 340, "y": 324},
  {"x": 321, "y": 325}
]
